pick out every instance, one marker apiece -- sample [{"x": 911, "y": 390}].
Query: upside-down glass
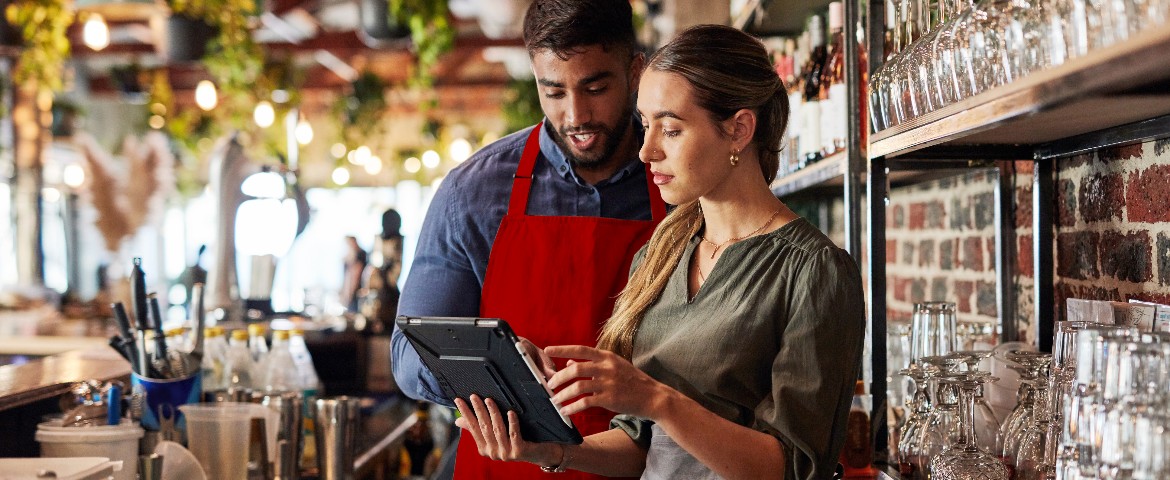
[
  {"x": 932, "y": 332},
  {"x": 965, "y": 460}
]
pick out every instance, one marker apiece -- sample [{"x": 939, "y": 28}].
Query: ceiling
[
  {"x": 324, "y": 41},
  {"x": 783, "y": 17}
]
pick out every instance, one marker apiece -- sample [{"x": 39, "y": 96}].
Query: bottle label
[
  {"x": 834, "y": 120},
  {"x": 810, "y": 132}
]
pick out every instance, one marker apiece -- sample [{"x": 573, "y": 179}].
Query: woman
[{"x": 732, "y": 352}]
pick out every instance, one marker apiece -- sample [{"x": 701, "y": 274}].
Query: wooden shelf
[
  {"x": 1115, "y": 86},
  {"x": 827, "y": 172}
]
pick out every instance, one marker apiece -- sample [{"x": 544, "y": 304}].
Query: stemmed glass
[
  {"x": 1031, "y": 366},
  {"x": 910, "y": 461},
  {"x": 965, "y": 460}
]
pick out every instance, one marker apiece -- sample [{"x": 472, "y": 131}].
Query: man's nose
[{"x": 580, "y": 111}]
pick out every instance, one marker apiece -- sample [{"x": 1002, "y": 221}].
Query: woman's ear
[{"x": 743, "y": 127}]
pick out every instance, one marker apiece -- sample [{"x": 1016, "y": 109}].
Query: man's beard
[{"x": 613, "y": 138}]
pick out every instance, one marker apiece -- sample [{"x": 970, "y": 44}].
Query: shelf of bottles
[
  {"x": 1014, "y": 72},
  {"x": 814, "y": 74}
]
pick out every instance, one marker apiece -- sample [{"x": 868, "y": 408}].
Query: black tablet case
[{"x": 479, "y": 356}]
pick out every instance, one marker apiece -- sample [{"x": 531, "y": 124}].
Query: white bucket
[{"x": 116, "y": 442}]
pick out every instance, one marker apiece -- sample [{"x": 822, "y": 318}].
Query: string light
[
  {"x": 96, "y": 33},
  {"x": 264, "y": 115},
  {"x": 412, "y": 165},
  {"x": 430, "y": 159},
  {"x": 340, "y": 176},
  {"x": 205, "y": 95}
]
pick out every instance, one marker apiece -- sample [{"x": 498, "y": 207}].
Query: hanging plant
[
  {"x": 431, "y": 32},
  {"x": 360, "y": 110},
  {"x": 234, "y": 59},
  {"x": 43, "y": 25}
]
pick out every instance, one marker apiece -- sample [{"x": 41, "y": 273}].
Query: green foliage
[
  {"x": 43, "y": 26},
  {"x": 431, "y": 32},
  {"x": 233, "y": 58},
  {"x": 360, "y": 110},
  {"x": 522, "y": 108}
]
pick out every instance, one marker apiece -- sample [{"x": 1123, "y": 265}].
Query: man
[{"x": 539, "y": 227}]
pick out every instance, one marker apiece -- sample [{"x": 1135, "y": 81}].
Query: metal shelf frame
[{"x": 1114, "y": 96}]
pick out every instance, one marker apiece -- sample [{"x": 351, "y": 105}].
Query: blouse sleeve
[{"x": 817, "y": 364}]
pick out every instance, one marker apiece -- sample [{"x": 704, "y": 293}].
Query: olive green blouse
[{"x": 772, "y": 340}]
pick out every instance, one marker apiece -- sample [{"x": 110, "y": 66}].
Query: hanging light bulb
[
  {"x": 430, "y": 159},
  {"x": 412, "y": 165},
  {"x": 264, "y": 115},
  {"x": 340, "y": 175},
  {"x": 337, "y": 150},
  {"x": 96, "y": 34},
  {"x": 374, "y": 165},
  {"x": 73, "y": 175},
  {"x": 205, "y": 95},
  {"x": 304, "y": 132},
  {"x": 459, "y": 150}
]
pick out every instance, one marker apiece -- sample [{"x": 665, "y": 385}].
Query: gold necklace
[{"x": 736, "y": 239}]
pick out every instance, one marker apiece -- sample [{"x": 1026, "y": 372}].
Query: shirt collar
[{"x": 560, "y": 163}]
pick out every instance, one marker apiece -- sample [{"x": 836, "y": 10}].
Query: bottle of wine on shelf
[{"x": 810, "y": 134}]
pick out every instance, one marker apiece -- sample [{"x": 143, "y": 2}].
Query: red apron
[{"x": 555, "y": 280}]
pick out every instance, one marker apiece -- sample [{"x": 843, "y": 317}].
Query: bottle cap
[
  {"x": 280, "y": 334},
  {"x": 256, "y": 329},
  {"x": 297, "y": 332},
  {"x": 836, "y": 16},
  {"x": 211, "y": 332},
  {"x": 859, "y": 387},
  {"x": 239, "y": 335}
]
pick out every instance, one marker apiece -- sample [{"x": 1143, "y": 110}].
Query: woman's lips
[{"x": 660, "y": 179}]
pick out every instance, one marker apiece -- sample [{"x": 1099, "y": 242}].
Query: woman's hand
[
  {"x": 604, "y": 379},
  {"x": 499, "y": 439}
]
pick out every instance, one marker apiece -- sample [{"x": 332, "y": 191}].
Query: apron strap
[{"x": 522, "y": 181}]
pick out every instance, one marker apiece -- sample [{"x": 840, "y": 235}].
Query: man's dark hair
[{"x": 566, "y": 26}]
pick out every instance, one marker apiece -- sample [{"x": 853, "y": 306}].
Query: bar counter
[{"x": 30, "y": 391}]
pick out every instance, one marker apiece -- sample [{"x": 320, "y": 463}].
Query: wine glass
[{"x": 965, "y": 460}]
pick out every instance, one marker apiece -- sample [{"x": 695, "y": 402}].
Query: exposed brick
[
  {"x": 936, "y": 214},
  {"x": 899, "y": 216},
  {"x": 1122, "y": 152},
  {"x": 1077, "y": 255},
  {"x": 1147, "y": 195},
  {"x": 1024, "y": 167},
  {"x": 946, "y": 254},
  {"x": 1161, "y": 146},
  {"x": 963, "y": 291},
  {"x": 891, "y": 251},
  {"x": 960, "y": 214},
  {"x": 901, "y": 288},
  {"x": 1126, "y": 256},
  {"x": 907, "y": 253},
  {"x": 918, "y": 290},
  {"x": 938, "y": 289},
  {"x": 973, "y": 253},
  {"x": 1065, "y": 291},
  {"x": 895, "y": 315},
  {"x": 917, "y": 216},
  {"x": 1066, "y": 205},
  {"x": 985, "y": 299},
  {"x": 991, "y": 247},
  {"x": 1163, "y": 254},
  {"x": 926, "y": 253},
  {"x": 1162, "y": 298},
  {"x": 1076, "y": 160},
  {"x": 984, "y": 210},
  {"x": 1101, "y": 197},
  {"x": 1024, "y": 206},
  {"x": 1024, "y": 257}
]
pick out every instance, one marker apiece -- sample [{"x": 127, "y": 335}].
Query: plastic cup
[
  {"x": 116, "y": 442},
  {"x": 217, "y": 434}
]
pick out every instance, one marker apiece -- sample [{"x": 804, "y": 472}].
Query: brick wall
[{"x": 1113, "y": 224}]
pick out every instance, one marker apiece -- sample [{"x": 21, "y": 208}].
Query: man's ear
[{"x": 637, "y": 64}]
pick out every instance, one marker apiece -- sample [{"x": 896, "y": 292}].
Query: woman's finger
[
  {"x": 498, "y": 429},
  {"x": 582, "y": 404},
  {"x": 486, "y": 440},
  {"x": 572, "y": 371},
  {"x": 514, "y": 431},
  {"x": 469, "y": 419},
  {"x": 573, "y": 351},
  {"x": 574, "y": 390}
]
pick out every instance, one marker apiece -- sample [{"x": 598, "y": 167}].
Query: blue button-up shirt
[{"x": 451, "y": 259}]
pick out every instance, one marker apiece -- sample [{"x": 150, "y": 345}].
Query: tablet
[{"x": 483, "y": 356}]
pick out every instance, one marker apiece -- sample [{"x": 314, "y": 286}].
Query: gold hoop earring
[{"x": 734, "y": 158}]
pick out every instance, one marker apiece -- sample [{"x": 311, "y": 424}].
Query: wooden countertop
[{"x": 51, "y": 376}]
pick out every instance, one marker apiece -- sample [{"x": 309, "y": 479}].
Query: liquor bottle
[
  {"x": 239, "y": 368},
  {"x": 810, "y": 134},
  {"x": 834, "y": 105},
  {"x": 794, "y": 154},
  {"x": 214, "y": 359},
  {"x": 857, "y": 453},
  {"x": 280, "y": 372}
]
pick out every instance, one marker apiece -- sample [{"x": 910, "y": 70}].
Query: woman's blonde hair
[{"x": 728, "y": 71}]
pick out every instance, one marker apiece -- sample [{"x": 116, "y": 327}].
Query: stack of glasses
[{"x": 950, "y": 50}]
